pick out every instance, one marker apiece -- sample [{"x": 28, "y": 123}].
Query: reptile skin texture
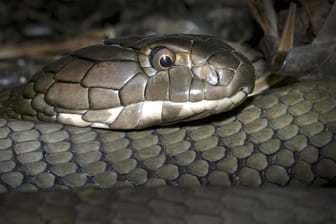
[
  {"x": 281, "y": 137},
  {"x": 285, "y": 136}
]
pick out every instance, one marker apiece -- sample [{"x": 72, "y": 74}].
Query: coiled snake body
[{"x": 284, "y": 136}]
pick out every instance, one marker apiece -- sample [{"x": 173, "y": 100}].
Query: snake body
[{"x": 282, "y": 137}]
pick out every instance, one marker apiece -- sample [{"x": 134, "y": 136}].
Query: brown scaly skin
[{"x": 282, "y": 137}]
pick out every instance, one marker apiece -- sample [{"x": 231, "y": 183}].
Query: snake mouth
[
  {"x": 246, "y": 89},
  {"x": 240, "y": 96},
  {"x": 190, "y": 111},
  {"x": 155, "y": 112}
]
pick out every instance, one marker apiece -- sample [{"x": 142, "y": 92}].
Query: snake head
[
  {"x": 137, "y": 82},
  {"x": 193, "y": 76}
]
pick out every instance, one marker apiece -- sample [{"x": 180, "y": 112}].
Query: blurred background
[{"x": 36, "y": 19}]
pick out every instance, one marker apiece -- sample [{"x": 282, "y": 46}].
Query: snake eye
[{"x": 162, "y": 58}]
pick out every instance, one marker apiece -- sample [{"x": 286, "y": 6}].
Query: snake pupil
[{"x": 166, "y": 61}]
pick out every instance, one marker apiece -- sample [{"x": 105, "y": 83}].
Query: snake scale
[{"x": 282, "y": 137}]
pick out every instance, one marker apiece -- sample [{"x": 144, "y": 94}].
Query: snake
[{"x": 80, "y": 115}]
